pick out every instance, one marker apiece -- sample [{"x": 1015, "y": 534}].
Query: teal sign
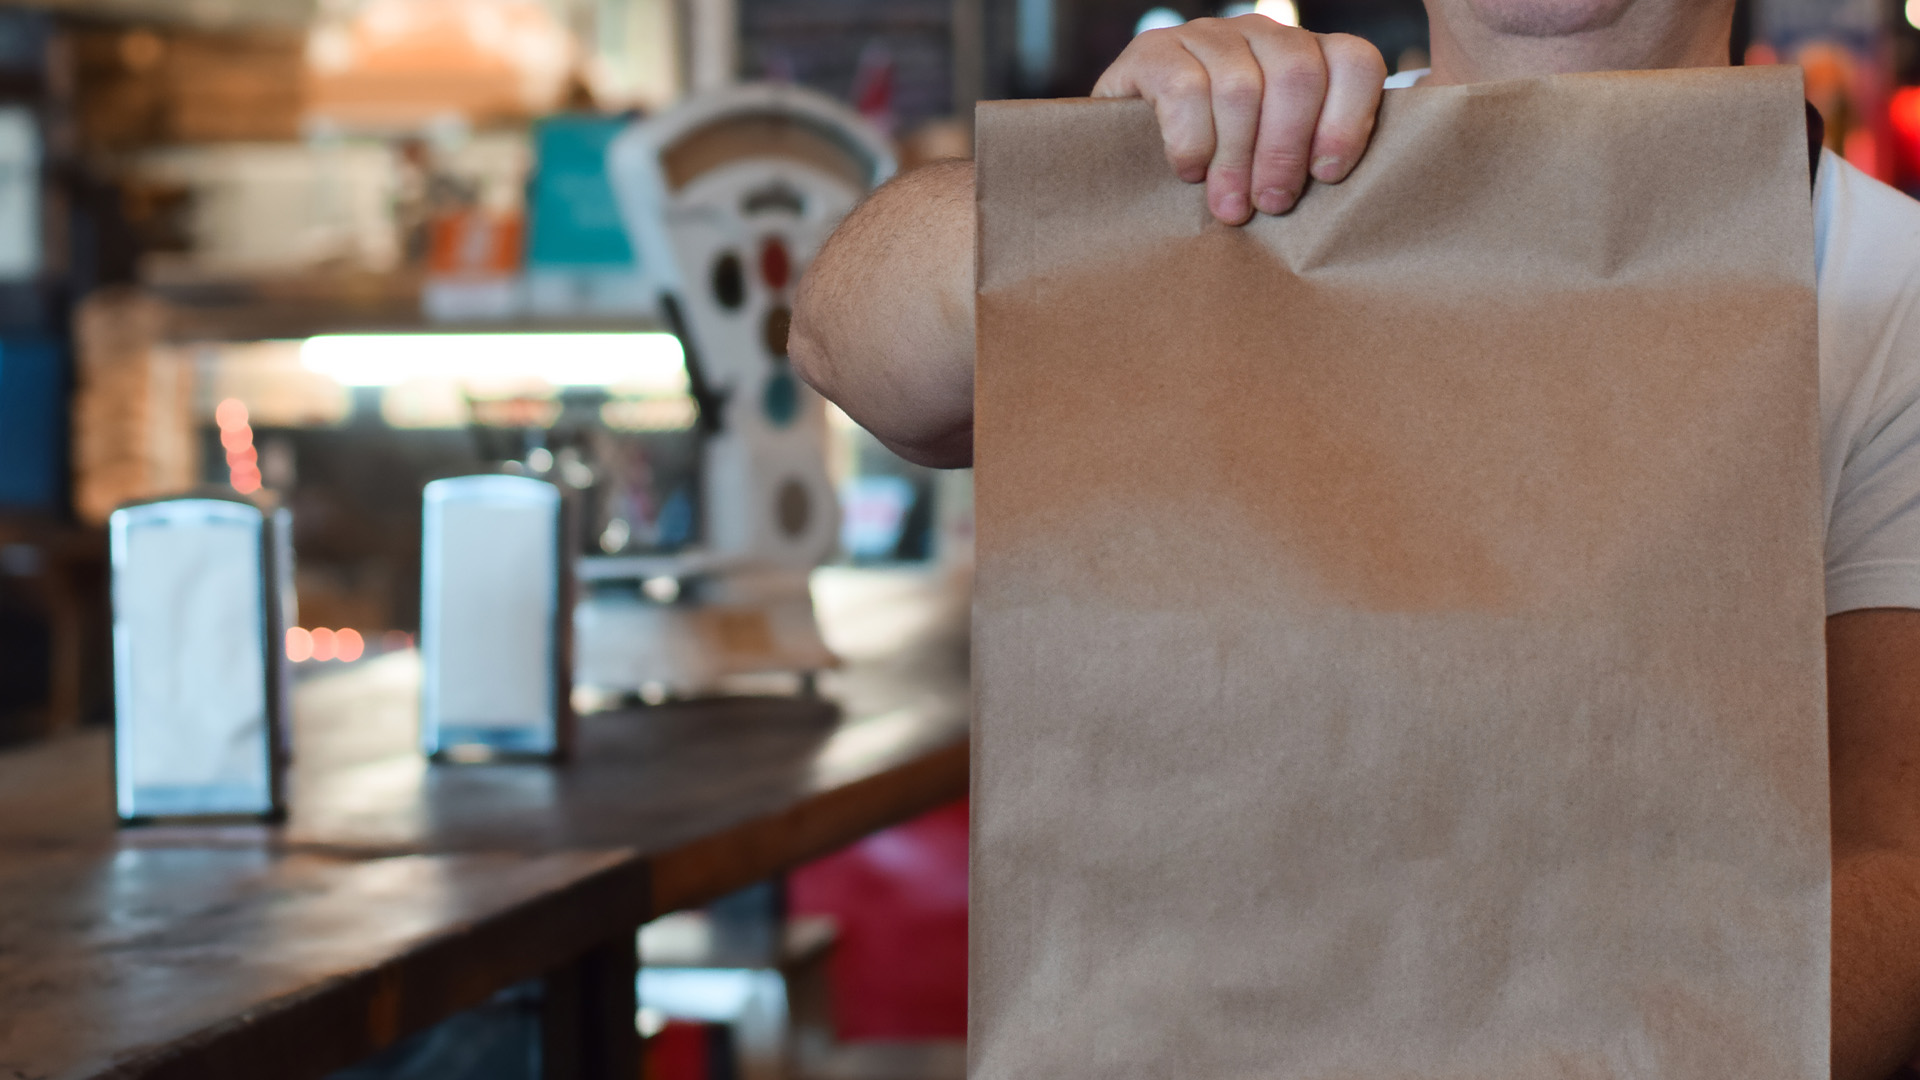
[{"x": 573, "y": 219}]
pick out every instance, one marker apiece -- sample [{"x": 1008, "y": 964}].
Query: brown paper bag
[{"x": 1399, "y": 624}]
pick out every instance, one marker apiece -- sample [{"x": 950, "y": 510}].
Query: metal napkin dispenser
[
  {"x": 199, "y": 683},
  {"x": 495, "y": 619}
]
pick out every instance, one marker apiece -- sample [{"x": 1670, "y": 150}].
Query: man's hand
[
  {"x": 883, "y": 324},
  {"x": 1253, "y": 107}
]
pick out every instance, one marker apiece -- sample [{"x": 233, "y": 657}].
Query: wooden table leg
[{"x": 587, "y": 1023}]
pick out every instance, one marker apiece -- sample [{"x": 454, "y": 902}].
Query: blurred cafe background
[{"x": 319, "y": 253}]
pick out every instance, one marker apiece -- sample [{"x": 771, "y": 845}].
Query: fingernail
[
  {"x": 1194, "y": 175},
  {"x": 1276, "y": 201},
  {"x": 1231, "y": 206},
  {"x": 1327, "y": 169}
]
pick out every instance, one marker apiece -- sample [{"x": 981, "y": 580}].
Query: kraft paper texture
[{"x": 1399, "y": 624}]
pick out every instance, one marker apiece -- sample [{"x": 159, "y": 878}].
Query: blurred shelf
[
  {"x": 202, "y": 14},
  {"x": 269, "y": 308}
]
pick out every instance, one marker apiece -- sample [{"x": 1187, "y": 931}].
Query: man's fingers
[
  {"x": 1157, "y": 67},
  {"x": 1355, "y": 76},
  {"x": 1295, "y": 87},
  {"x": 1252, "y": 107},
  {"x": 1183, "y": 102},
  {"x": 1237, "y": 84}
]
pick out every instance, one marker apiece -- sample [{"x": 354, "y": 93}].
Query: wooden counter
[
  {"x": 397, "y": 893},
  {"x": 712, "y": 795},
  {"x": 231, "y": 963}
]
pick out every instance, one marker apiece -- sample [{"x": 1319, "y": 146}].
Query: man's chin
[{"x": 1548, "y": 18}]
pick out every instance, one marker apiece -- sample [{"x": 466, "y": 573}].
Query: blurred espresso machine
[{"x": 725, "y": 199}]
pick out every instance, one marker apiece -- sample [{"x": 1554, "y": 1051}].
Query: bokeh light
[
  {"x": 1160, "y": 18},
  {"x": 231, "y": 413},
  {"x": 1285, "y": 12},
  {"x": 236, "y": 436},
  {"x": 322, "y": 644}
]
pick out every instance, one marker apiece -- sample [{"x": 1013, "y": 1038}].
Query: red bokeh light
[
  {"x": 321, "y": 643},
  {"x": 231, "y": 414},
  {"x": 237, "y": 437},
  {"x": 1904, "y": 111}
]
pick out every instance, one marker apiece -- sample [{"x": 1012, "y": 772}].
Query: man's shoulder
[
  {"x": 1868, "y": 229},
  {"x": 1868, "y": 262}
]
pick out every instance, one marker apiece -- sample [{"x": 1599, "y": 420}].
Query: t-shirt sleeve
[{"x": 1873, "y": 535}]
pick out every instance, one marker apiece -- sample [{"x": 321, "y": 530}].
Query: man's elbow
[
  {"x": 949, "y": 449},
  {"x": 939, "y": 447},
  {"x": 807, "y": 352}
]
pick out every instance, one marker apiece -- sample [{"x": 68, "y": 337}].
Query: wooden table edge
[
  {"x": 706, "y": 869},
  {"x": 343, "y": 1020}
]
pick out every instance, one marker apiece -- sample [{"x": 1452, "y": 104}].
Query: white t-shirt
[
  {"x": 1867, "y": 260},
  {"x": 1867, "y": 264}
]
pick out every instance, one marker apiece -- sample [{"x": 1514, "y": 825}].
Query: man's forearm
[
  {"x": 883, "y": 325},
  {"x": 1873, "y": 687},
  {"x": 1876, "y": 963}
]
